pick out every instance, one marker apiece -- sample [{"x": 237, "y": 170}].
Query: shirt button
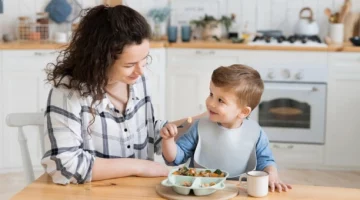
[
  {"x": 128, "y": 146},
  {"x": 125, "y": 130}
]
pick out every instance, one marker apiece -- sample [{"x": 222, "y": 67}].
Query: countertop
[
  {"x": 50, "y": 45},
  {"x": 144, "y": 188},
  {"x": 347, "y": 47}
]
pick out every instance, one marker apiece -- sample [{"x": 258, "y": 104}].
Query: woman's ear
[{"x": 245, "y": 112}]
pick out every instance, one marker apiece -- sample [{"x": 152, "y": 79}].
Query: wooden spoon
[
  {"x": 334, "y": 18},
  {"x": 327, "y": 12},
  {"x": 345, "y": 9}
]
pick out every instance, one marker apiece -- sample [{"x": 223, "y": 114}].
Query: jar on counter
[
  {"x": 24, "y": 28},
  {"x": 42, "y": 20}
]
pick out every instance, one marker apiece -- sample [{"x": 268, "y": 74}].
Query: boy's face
[{"x": 224, "y": 107}]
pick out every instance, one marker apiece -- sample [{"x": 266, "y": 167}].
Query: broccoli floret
[
  {"x": 208, "y": 171},
  {"x": 218, "y": 171}
]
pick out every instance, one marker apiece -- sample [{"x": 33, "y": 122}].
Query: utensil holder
[{"x": 337, "y": 33}]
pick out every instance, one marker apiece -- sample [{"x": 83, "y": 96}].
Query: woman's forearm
[
  {"x": 114, "y": 168},
  {"x": 169, "y": 149}
]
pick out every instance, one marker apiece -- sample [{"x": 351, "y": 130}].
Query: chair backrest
[{"x": 20, "y": 120}]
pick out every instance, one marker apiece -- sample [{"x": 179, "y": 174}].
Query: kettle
[{"x": 306, "y": 25}]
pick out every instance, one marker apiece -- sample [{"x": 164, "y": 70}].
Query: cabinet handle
[
  {"x": 287, "y": 147},
  {"x": 44, "y": 54},
  {"x": 199, "y": 52}
]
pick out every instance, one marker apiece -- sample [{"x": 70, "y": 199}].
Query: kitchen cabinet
[
  {"x": 188, "y": 74},
  {"x": 24, "y": 90},
  {"x": 289, "y": 155},
  {"x": 156, "y": 76},
  {"x": 342, "y": 134},
  {"x": 1, "y": 116}
]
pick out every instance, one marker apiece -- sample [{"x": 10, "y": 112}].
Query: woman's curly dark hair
[{"x": 98, "y": 41}]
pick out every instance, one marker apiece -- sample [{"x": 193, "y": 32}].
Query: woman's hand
[
  {"x": 169, "y": 131},
  {"x": 152, "y": 169}
]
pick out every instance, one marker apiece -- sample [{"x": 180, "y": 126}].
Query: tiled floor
[{"x": 12, "y": 183}]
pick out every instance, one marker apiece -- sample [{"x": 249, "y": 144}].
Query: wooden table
[{"x": 144, "y": 188}]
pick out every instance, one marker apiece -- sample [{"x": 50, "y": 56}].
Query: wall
[{"x": 260, "y": 14}]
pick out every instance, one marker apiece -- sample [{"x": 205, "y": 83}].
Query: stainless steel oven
[
  {"x": 293, "y": 112},
  {"x": 293, "y": 106}
]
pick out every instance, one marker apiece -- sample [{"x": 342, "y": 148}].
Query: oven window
[{"x": 284, "y": 112}]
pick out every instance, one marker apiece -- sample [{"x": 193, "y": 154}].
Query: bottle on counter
[
  {"x": 42, "y": 20},
  {"x": 234, "y": 29},
  {"x": 24, "y": 28},
  {"x": 246, "y": 35}
]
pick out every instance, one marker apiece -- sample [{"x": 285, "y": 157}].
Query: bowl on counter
[
  {"x": 201, "y": 186},
  {"x": 355, "y": 40}
]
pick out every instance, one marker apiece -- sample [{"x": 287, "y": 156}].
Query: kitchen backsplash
[{"x": 258, "y": 14}]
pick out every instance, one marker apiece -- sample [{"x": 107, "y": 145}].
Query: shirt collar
[{"x": 106, "y": 105}]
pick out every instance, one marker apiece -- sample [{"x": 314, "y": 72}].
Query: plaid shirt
[{"x": 71, "y": 149}]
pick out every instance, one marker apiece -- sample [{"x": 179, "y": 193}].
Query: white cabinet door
[
  {"x": 188, "y": 77},
  {"x": 156, "y": 74},
  {"x": 23, "y": 90},
  {"x": 342, "y": 134},
  {"x": 297, "y": 155},
  {"x": 2, "y": 119},
  {"x": 183, "y": 96}
]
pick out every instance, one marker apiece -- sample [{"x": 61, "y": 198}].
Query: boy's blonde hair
[{"x": 243, "y": 80}]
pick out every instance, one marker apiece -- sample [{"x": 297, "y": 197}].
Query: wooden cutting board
[
  {"x": 351, "y": 25},
  {"x": 229, "y": 192}
]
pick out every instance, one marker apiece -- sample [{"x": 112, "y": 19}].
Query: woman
[{"x": 99, "y": 118}]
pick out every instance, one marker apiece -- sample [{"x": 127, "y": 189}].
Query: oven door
[{"x": 292, "y": 112}]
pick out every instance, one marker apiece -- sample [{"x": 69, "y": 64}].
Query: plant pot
[{"x": 211, "y": 31}]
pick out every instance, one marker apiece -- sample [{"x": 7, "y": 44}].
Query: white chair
[{"x": 27, "y": 119}]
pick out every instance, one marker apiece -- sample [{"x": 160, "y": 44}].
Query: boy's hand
[
  {"x": 168, "y": 131},
  {"x": 275, "y": 184}
]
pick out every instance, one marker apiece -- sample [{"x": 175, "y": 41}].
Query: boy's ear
[{"x": 245, "y": 112}]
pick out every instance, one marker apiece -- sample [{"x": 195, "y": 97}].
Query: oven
[
  {"x": 293, "y": 112},
  {"x": 292, "y": 108}
]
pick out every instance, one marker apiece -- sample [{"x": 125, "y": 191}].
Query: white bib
[{"x": 232, "y": 150}]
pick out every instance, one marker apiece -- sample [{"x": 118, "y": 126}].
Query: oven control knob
[
  {"x": 299, "y": 76},
  {"x": 271, "y": 75},
  {"x": 286, "y": 73}
]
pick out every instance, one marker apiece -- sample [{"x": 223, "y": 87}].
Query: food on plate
[
  {"x": 186, "y": 184},
  {"x": 184, "y": 171},
  {"x": 208, "y": 184}
]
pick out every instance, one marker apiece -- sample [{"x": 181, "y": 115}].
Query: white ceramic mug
[
  {"x": 337, "y": 33},
  {"x": 257, "y": 183}
]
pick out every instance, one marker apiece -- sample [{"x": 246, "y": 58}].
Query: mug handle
[{"x": 243, "y": 183}]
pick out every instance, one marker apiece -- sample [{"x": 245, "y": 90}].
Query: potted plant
[
  {"x": 159, "y": 16},
  {"x": 211, "y": 27}
]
